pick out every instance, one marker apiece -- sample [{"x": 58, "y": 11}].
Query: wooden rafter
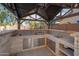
[{"x": 67, "y": 12}]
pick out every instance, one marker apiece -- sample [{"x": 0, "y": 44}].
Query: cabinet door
[
  {"x": 38, "y": 42},
  {"x": 16, "y": 45},
  {"x": 51, "y": 44},
  {"x": 27, "y": 43}
]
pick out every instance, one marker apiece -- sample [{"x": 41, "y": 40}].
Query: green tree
[
  {"x": 2, "y": 17},
  {"x": 4, "y": 21},
  {"x": 32, "y": 24},
  {"x": 36, "y": 25}
]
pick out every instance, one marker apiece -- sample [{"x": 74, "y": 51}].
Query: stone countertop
[{"x": 4, "y": 32}]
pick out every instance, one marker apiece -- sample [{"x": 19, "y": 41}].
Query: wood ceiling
[{"x": 46, "y": 10}]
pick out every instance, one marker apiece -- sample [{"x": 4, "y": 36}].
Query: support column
[
  {"x": 57, "y": 49},
  {"x": 18, "y": 22},
  {"x": 48, "y": 25},
  {"x": 76, "y": 43}
]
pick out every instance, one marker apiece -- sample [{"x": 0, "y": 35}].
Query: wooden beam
[
  {"x": 67, "y": 12},
  {"x": 31, "y": 17},
  {"x": 66, "y": 5},
  {"x": 33, "y": 20}
]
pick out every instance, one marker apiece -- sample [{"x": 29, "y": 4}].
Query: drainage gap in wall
[
  {"x": 51, "y": 44},
  {"x": 66, "y": 50}
]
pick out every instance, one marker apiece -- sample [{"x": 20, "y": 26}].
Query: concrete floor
[{"x": 37, "y": 52}]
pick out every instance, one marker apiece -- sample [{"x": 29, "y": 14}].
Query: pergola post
[
  {"x": 48, "y": 25},
  {"x": 18, "y": 22}
]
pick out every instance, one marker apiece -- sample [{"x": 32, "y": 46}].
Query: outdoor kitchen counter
[{"x": 6, "y": 32}]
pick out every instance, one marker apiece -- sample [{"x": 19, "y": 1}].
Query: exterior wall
[
  {"x": 73, "y": 19},
  {"x": 72, "y": 27},
  {"x": 70, "y": 20}
]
